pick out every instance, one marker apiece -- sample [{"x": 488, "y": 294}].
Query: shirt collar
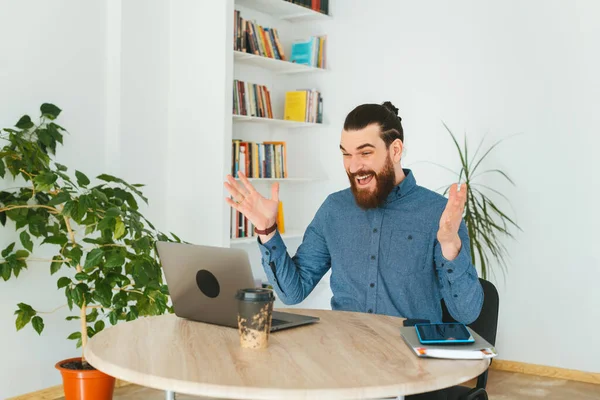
[{"x": 403, "y": 188}]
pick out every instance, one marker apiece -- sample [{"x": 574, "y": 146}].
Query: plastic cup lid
[{"x": 255, "y": 295}]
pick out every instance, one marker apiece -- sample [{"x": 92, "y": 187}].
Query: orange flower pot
[{"x": 85, "y": 384}]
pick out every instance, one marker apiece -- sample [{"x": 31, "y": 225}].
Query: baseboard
[
  {"x": 54, "y": 392},
  {"x": 544, "y": 370}
]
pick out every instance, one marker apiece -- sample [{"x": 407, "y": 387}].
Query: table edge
[{"x": 253, "y": 393}]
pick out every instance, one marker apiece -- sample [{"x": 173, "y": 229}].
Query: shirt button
[
  {"x": 267, "y": 252},
  {"x": 375, "y": 230},
  {"x": 370, "y": 311},
  {"x": 372, "y": 285},
  {"x": 274, "y": 247},
  {"x": 409, "y": 237},
  {"x": 455, "y": 295},
  {"x": 372, "y": 257},
  {"x": 450, "y": 271}
]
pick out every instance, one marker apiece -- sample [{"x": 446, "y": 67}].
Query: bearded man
[{"x": 393, "y": 247}]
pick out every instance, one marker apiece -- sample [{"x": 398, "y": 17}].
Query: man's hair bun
[{"x": 392, "y": 108}]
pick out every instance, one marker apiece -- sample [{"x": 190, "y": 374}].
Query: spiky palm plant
[{"x": 484, "y": 218}]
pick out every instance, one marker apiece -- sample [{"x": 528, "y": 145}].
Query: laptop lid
[{"x": 203, "y": 280}]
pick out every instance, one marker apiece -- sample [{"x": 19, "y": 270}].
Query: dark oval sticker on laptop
[{"x": 207, "y": 283}]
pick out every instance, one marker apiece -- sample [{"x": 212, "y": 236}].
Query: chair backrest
[{"x": 487, "y": 323}]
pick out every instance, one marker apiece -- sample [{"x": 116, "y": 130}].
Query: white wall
[
  {"x": 49, "y": 52},
  {"x": 503, "y": 68}
]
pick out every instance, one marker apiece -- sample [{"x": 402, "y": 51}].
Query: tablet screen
[{"x": 440, "y": 332}]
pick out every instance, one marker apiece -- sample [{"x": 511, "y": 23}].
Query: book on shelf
[
  {"x": 311, "y": 52},
  {"x": 321, "y": 6},
  {"x": 259, "y": 160},
  {"x": 304, "y": 106},
  {"x": 250, "y": 37},
  {"x": 251, "y": 99},
  {"x": 241, "y": 227}
]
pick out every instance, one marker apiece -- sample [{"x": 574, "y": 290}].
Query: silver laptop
[{"x": 203, "y": 281}]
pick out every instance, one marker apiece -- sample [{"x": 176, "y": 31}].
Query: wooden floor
[{"x": 501, "y": 386}]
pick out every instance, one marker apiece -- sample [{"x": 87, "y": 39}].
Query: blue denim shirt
[{"x": 385, "y": 260}]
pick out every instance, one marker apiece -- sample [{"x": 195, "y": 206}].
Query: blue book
[{"x": 303, "y": 52}]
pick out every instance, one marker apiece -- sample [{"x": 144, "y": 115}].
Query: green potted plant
[
  {"x": 104, "y": 256},
  {"x": 485, "y": 219}
]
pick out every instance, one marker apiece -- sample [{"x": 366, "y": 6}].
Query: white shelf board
[
  {"x": 273, "y": 64},
  {"x": 286, "y": 235},
  {"x": 274, "y": 122},
  {"x": 283, "y": 10},
  {"x": 291, "y": 180}
]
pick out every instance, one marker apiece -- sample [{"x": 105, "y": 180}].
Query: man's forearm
[
  {"x": 265, "y": 238},
  {"x": 451, "y": 249}
]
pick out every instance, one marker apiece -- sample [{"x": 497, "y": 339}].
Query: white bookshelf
[
  {"x": 280, "y": 76},
  {"x": 286, "y": 235},
  {"x": 281, "y": 123},
  {"x": 272, "y": 64},
  {"x": 284, "y": 10},
  {"x": 283, "y": 180}
]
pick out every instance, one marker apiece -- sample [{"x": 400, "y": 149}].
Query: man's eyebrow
[{"x": 362, "y": 146}]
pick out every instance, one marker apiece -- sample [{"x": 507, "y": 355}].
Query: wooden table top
[{"x": 346, "y": 355}]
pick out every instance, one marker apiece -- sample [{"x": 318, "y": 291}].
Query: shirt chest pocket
[{"x": 407, "y": 251}]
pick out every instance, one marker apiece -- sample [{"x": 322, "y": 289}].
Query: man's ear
[{"x": 396, "y": 148}]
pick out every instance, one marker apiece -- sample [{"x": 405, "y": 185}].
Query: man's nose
[{"x": 355, "y": 165}]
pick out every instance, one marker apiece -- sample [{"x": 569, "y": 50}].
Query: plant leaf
[
  {"x": 492, "y": 147},
  {"x": 93, "y": 258},
  {"x": 62, "y": 282},
  {"x": 26, "y": 241},
  {"x": 50, "y": 111},
  {"x": 55, "y": 265},
  {"x": 119, "y": 228},
  {"x": 115, "y": 259},
  {"x": 82, "y": 276},
  {"x": 82, "y": 180},
  {"x": 60, "y": 167},
  {"x": 60, "y": 240},
  {"x": 98, "y": 326},
  {"x": 45, "y": 180},
  {"x": 38, "y": 324},
  {"x": 5, "y": 271},
  {"x": 24, "y": 122},
  {"x": 8, "y": 250},
  {"x": 24, "y": 315},
  {"x": 91, "y": 317},
  {"x": 75, "y": 255},
  {"x": 60, "y": 198},
  {"x": 112, "y": 317}
]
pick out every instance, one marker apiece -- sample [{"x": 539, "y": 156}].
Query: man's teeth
[{"x": 363, "y": 177}]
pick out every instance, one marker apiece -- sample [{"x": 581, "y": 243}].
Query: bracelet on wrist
[{"x": 266, "y": 231}]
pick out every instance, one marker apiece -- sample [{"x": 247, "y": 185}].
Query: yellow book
[
  {"x": 295, "y": 106},
  {"x": 280, "y": 219},
  {"x": 320, "y": 62}
]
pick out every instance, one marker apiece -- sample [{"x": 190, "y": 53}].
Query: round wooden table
[{"x": 346, "y": 355}]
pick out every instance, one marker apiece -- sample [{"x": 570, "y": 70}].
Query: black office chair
[{"x": 486, "y": 326}]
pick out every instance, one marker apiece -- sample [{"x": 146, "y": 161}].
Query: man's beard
[{"x": 385, "y": 182}]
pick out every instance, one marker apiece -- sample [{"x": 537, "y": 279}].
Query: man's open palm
[
  {"x": 261, "y": 211},
  {"x": 452, "y": 215}
]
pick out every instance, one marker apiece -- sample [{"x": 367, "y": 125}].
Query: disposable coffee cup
[{"x": 255, "y": 307}]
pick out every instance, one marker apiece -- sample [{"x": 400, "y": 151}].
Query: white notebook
[{"x": 473, "y": 351}]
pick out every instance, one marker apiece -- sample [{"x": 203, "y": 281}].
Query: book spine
[
  {"x": 272, "y": 43},
  {"x": 278, "y": 44},
  {"x": 267, "y": 161},
  {"x": 268, "y": 99}
]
